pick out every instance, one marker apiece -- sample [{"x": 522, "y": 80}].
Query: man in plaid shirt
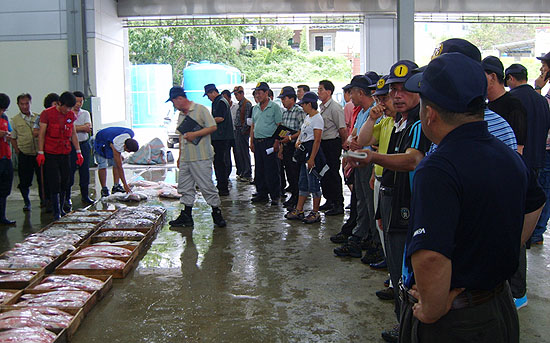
[{"x": 293, "y": 116}]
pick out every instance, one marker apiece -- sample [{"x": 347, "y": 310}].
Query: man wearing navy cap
[
  {"x": 242, "y": 135},
  {"x": 544, "y": 76},
  {"x": 454, "y": 288},
  {"x": 293, "y": 117},
  {"x": 221, "y": 138},
  {"x": 502, "y": 102},
  {"x": 266, "y": 117}
]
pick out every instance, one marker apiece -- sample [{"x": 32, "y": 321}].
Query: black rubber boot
[
  {"x": 55, "y": 206},
  {"x": 3, "y": 219},
  {"x": 67, "y": 204},
  {"x": 85, "y": 196},
  {"x": 217, "y": 217},
  {"x": 25, "y": 195},
  {"x": 62, "y": 204},
  {"x": 184, "y": 219}
]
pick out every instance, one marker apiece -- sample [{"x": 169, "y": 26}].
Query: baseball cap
[
  {"x": 226, "y": 92},
  {"x": 452, "y": 81},
  {"x": 372, "y": 75},
  {"x": 261, "y": 86},
  {"x": 515, "y": 68},
  {"x": 493, "y": 64},
  {"x": 381, "y": 87},
  {"x": 309, "y": 97},
  {"x": 238, "y": 89},
  {"x": 175, "y": 92},
  {"x": 545, "y": 57},
  {"x": 458, "y": 45},
  {"x": 361, "y": 81},
  {"x": 209, "y": 88},
  {"x": 287, "y": 91},
  {"x": 401, "y": 71}
]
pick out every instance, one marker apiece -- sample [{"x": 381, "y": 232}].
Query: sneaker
[
  {"x": 335, "y": 211},
  {"x": 295, "y": 215},
  {"x": 521, "y": 302},
  {"x": 326, "y": 206},
  {"x": 350, "y": 249},
  {"x": 385, "y": 294},
  {"x": 537, "y": 240},
  {"x": 372, "y": 256},
  {"x": 391, "y": 335},
  {"x": 104, "y": 192},
  {"x": 312, "y": 217},
  {"x": 260, "y": 198},
  {"x": 117, "y": 189},
  {"x": 291, "y": 202},
  {"x": 218, "y": 218},
  {"x": 339, "y": 238},
  {"x": 183, "y": 220},
  {"x": 382, "y": 265}
]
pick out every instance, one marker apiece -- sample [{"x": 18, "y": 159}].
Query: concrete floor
[{"x": 261, "y": 279}]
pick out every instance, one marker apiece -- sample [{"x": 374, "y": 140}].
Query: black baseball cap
[
  {"x": 209, "y": 88},
  {"x": 261, "y": 86},
  {"x": 401, "y": 71},
  {"x": 458, "y": 45},
  {"x": 381, "y": 87},
  {"x": 372, "y": 75},
  {"x": 175, "y": 92},
  {"x": 226, "y": 92},
  {"x": 361, "y": 81},
  {"x": 492, "y": 64},
  {"x": 287, "y": 91},
  {"x": 515, "y": 68},
  {"x": 545, "y": 58},
  {"x": 452, "y": 81},
  {"x": 308, "y": 97}
]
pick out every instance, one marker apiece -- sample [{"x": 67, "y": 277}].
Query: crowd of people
[{"x": 448, "y": 173}]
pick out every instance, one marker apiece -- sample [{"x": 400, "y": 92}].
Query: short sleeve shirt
[
  {"x": 511, "y": 109},
  {"x": 83, "y": 117},
  {"x": 118, "y": 141},
  {"x": 309, "y": 125},
  {"x": 382, "y": 133},
  {"x": 460, "y": 216},
  {"x": 333, "y": 116},
  {"x": 266, "y": 121},
  {"x": 293, "y": 117},
  {"x": 190, "y": 152}
]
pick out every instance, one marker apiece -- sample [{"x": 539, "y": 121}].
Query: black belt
[
  {"x": 262, "y": 139},
  {"x": 388, "y": 191},
  {"x": 463, "y": 300}
]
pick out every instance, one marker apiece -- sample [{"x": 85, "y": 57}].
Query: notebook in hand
[
  {"x": 283, "y": 131},
  {"x": 189, "y": 125}
]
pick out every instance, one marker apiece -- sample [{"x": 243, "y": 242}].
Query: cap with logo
[
  {"x": 381, "y": 87},
  {"x": 261, "y": 86},
  {"x": 238, "y": 89},
  {"x": 287, "y": 91},
  {"x": 458, "y": 45},
  {"x": 401, "y": 71},
  {"x": 309, "y": 97},
  {"x": 452, "y": 81},
  {"x": 492, "y": 64},
  {"x": 209, "y": 88},
  {"x": 175, "y": 92}
]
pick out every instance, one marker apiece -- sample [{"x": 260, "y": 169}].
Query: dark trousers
[
  {"x": 56, "y": 171},
  {"x": 518, "y": 281},
  {"x": 291, "y": 168},
  {"x": 267, "y": 177},
  {"x": 366, "y": 223},
  {"x": 493, "y": 321},
  {"x": 350, "y": 224},
  {"x": 83, "y": 170},
  {"x": 222, "y": 163},
  {"x": 26, "y": 169},
  {"x": 331, "y": 183},
  {"x": 241, "y": 152},
  {"x": 6, "y": 177}
]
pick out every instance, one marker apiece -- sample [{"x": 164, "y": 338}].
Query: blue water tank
[
  {"x": 151, "y": 85},
  {"x": 197, "y": 75}
]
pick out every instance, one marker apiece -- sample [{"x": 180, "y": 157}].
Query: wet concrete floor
[{"x": 260, "y": 279}]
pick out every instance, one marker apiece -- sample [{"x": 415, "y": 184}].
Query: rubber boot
[
  {"x": 3, "y": 219},
  {"x": 217, "y": 217},
  {"x": 85, "y": 196},
  {"x": 185, "y": 218},
  {"x": 67, "y": 204},
  {"x": 25, "y": 195},
  {"x": 55, "y": 206},
  {"x": 62, "y": 212}
]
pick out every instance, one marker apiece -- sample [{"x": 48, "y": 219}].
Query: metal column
[
  {"x": 378, "y": 43},
  {"x": 405, "y": 29},
  {"x": 75, "y": 46}
]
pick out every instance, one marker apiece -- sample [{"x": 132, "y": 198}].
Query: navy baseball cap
[
  {"x": 372, "y": 75},
  {"x": 458, "y": 45},
  {"x": 209, "y": 88},
  {"x": 516, "y": 68},
  {"x": 175, "y": 92},
  {"x": 452, "y": 81},
  {"x": 381, "y": 87},
  {"x": 287, "y": 91},
  {"x": 492, "y": 64},
  {"x": 545, "y": 57},
  {"x": 261, "y": 86},
  {"x": 226, "y": 92},
  {"x": 401, "y": 71},
  {"x": 346, "y": 87},
  {"x": 309, "y": 97},
  {"x": 361, "y": 81}
]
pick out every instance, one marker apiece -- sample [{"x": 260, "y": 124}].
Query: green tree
[
  {"x": 486, "y": 36},
  {"x": 304, "y": 40},
  {"x": 276, "y": 36}
]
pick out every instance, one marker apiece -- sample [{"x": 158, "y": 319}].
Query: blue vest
[{"x": 104, "y": 138}]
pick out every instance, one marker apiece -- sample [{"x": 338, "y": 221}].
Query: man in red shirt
[{"x": 56, "y": 134}]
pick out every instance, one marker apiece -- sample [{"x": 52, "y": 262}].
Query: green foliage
[
  {"x": 486, "y": 36},
  {"x": 276, "y": 36},
  {"x": 304, "y": 40}
]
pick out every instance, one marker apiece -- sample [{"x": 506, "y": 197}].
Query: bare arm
[
  {"x": 317, "y": 133},
  {"x": 529, "y": 222},
  {"x": 74, "y": 140},
  {"x": 42, "y": 136},
  {"x": 252, "y": 137},
  {"x": 117, "y": 158},
  {"x": 190, "y": 136},
  {"x": 365, "y": 137},
  {"x": 14, "y": 145},
  {"x": 219, "y": 119},
  {"x": 403, "y": 162},
  {"x": 343, "y": 135},
  {"x": 83, "y": 128}
]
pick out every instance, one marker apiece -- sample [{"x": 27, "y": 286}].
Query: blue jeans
[
  {"x": 544, "y": 180},
  {"x": 308, "y": 183}
]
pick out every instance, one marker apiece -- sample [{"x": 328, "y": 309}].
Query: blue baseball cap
[
  {"x": 516, "y": 68},
  {"x": 492, "y": 64},
  {"x": 381, "y": 87},
  {"x": 261, "y": 86},
  {"x": 401, "y": 71},
  {"x": 309, "y": 97},
  {"x": 458, "y": 45},
  {"x": 175, "y": 92},
  {"x": 287, "y": 91},
  {"x": 361, "y": 81},
  {"x": 209, "y": 88},
  {"x": 452, "y": 81},
  {"x": 545, "y": 58},
  {"x": 372, "y": 75}
]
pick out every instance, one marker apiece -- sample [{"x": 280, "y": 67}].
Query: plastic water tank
[
  {"x": 197, "y": 75},
  {"x": 151, "y": 84}
]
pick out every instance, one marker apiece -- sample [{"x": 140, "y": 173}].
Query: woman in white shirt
[{"x": 312, "y": 169}]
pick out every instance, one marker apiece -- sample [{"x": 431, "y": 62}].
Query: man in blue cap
[
  {"x": 266, "y": 117},
  {"x": 221, "y": 138},
  {"x": 454, "y": 288}
]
